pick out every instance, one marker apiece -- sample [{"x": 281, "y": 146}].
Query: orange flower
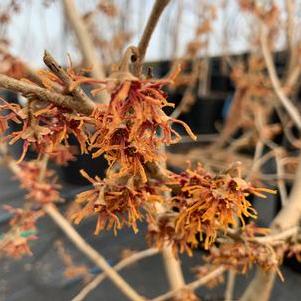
[
  {"x": 133, "y": 127},
  {"x": 241, "y": 254},
  {"x": 45, "y": 128},
  {"x": 115, "y": 204},
  {"x": 15, "y": 243},
  {"x": 41, "y": 192},
  {"x": 203, "y": 206},
  {"x": 10, "y": 112}
]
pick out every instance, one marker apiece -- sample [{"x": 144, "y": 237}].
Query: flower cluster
[
  {"x": 203, "y": 206},
  {"x": 39, "y": 191},
  {"x": 14, "y": 243},
  {"x": 45, "y": 128},
  {"x": 116, "y": 205},
  {"x": 132, "y": 129},
  {"x": 241, "y": 254}
]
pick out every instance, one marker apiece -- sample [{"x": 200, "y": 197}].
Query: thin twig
[
  {"x": 85, "y": 42},
  {"x": 53, "y": 212},
  {"x": 119, "y": 266},
  {"x": 55, "y": 68},
  {"x": 281, "y": 236},
  {"x": 91, "y": 253},
  {"x": 84, "y": 38},
  {"x": 289, "y": 216},
  {"x": 153, "y": 19},
  {"x": 193, "y": 285},
  {"x": 230, "y": 285},
  {"x": 286, "y": 102}
]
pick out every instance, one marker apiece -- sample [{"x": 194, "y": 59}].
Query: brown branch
[
  {"x": 171, "y": 263},
  {"x": 119, "y": 266},
  {"x": 42, "y": 94},
  {"x": 152, "y": 22},
  {"x": 280, "y": 182},
  {"x": 84, "y": 39},
  {"x": 276, "y": 238},
  {"x": 286, "y": 102},
  {"x": 172, "y": 268},
  {"x": 234, "y": 118},
  {"x": 91, "y": 253},
  {"x": 290, "y": 24},
  {"x": 77, "y": 92},
  {"x": 85, "y": 42},
  {"x": 230, "y": 286},
  {"x": 193, "y": 285},
  {"x": 79, "y": 242}
]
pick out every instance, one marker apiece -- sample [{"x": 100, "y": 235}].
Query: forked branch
[
  {"x": 53, "y": 66},
  {"x": 42, "y": 94}
]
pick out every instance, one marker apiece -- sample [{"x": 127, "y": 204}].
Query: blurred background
[
  {"x": 39, "y": 25},
  {"x": 214, "y": 35}
]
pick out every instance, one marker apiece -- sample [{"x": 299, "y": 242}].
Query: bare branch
[
  {"x": 119, "y": 266},
  {"x": 84, "y": 39},
  {"x": 91, "y": 253},
  {"x": 287, "y": 218},
  {"x": 290, "y": 24},
  {"x": 42, "y": 94},
  {"x": 193, "y": 285},
  {"x": 152, "y": 22},
  {"x": 91, "y": 59},
  {"x": 77, "y": 92},
  {"x": 286, "y": 102},
  {"x": 281, "y": 236},
  {"x": 230, "y": 286}
]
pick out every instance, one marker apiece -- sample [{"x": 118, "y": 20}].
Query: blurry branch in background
[
  {"x": 230, "y": 285},
  {"x": 152, "y": 22},
  {"x": 192, "y": 285},
  {"x": 197, "y": 54},
  {"x": 261, "y": 286},
  {"x": 91, "y": 253},
  {"x": 118, "y": 267},
  {"x": 285, "y": 101},
  {"x": 290, "y": 26},
  {"x": 53, "y": 212},
  {"x": 85, "y": 42}
]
